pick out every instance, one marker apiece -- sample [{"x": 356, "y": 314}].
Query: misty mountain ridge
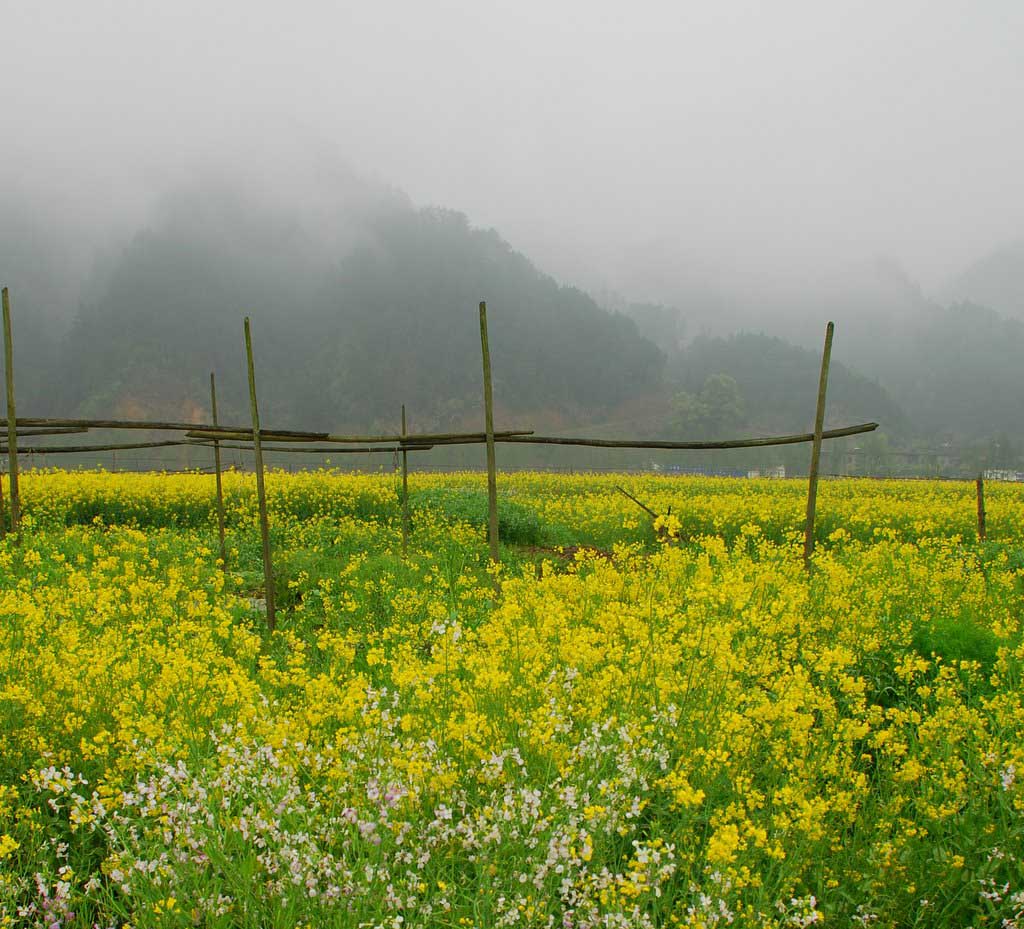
[
  {"x": 773, "y": 377},
  {"x": 361, "y": 302},
  {"x": 942, "y": 372},
  {"x": 347, "y": 325},
  {"x": 996, "y": 281}
]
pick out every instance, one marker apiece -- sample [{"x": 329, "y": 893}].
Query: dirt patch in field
[{"x": 565, "y": 553}]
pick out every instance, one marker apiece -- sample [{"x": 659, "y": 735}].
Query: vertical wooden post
[
  {"x": 980, "y": 487},
  {"x": 12, "y": 424},
  {"x": 3, "y": 515},
  {"x": 261, "y": 490},
  {"x": 405, "y": 490},
  {"x": 819, "y": 425},
  {"x": 492, "y": 479},
  {"x": 220, "y": 486}
]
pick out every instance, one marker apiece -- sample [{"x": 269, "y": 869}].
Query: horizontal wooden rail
[
  {"x": 68, "y": 449},
  {"x": 728, "y": 443},
  {"x": 322, "y": 450},
  {"x": 432, "y": 438},
  {"x": 77, "y": 430},
  {"x": 205, "y": 431},
  {"x": 170, "y": 443},
  {"x": 200, "y": 434},
  {"x": 160, "y": 426},
  {"x": 470, "y": 438}
]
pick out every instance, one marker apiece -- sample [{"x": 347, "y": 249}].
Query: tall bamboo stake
[
  {"x": 980, "y": 487},
  {"x": 819, "y": 424},
  {"x": 261, "y": 491},
  {"x": 3, "y": 515},
  {"x": 12, "y": 432},
  {"x": 220, "y": 486},
  {"x": 492, "y": 479},
  {"x": 405, "y": 491}
]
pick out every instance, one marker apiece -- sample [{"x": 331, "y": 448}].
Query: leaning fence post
[
  {"x": 405, "y": 489},
  {"x": 261, "y": 491},
  {"x": 980, "y": 487},
  {"x": 220, "y": 486},
  {"x": 12, "y": 425},
  {"x": 819, "y": 424},
  {"x": 492, "y": 480}
]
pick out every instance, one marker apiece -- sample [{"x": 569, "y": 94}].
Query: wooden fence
[{"x": 254, "y": 437}]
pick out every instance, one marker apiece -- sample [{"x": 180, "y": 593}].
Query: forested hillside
[
  {"x": 361, "y": 302},
  {"x": 342, "y": 338},
  {"x": 996, "y": 281},
  {"x": 771, "y": 388}
]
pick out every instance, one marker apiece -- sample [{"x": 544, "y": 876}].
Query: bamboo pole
[
  {"x": 199, "y": 431},
  {"x": 327, "y": 450},
  {"x": 159, "y": 425},
  {"x": 261, "y": 491},
  {"x": 542, "y": 440},
  {"x": 760, "y": 442},
  {"x": 528, "y": 438},
  {"x": 980, "y": 488},
  {"x": 78, "y": 430},
  {"x": 110, "y": 447},
  {"x": 12, "y": 420},
  {"x": 172, "y": 443},
  {"x": 498, "y": 437},
  {"x": 819, "y": 423},
  {"x": 405, "y": 490},
  {"x": 220, "y": 485},
  {"x": 642, "y": 506},
  {"x": 208, "y": 431},
  {"x": 444, "y": 438},
  {"x": 3, "y": 514},
  {"x": 470, "y": 438},
  {"x": 492, "y": 478}
]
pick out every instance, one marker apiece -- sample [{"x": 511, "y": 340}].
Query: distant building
[
  {"x": 1002, "y": 474},
  {"x": 777, "y": 471}
]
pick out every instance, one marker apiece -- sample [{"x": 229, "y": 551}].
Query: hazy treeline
[
  {"x": 366, "y": 303},
  {"x": 342, "y": 338},
  {"x": 937, "y": 373}
]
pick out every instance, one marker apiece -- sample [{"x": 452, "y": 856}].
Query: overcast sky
[{"x": 605, "y": 140}]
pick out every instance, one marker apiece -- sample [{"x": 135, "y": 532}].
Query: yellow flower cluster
[{"x": 672, "y": 722}]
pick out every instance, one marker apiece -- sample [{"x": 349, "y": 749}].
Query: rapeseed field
[{"x": 640, "y": 724}]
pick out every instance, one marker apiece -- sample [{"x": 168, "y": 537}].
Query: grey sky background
[{"x": 617, "y": 144}]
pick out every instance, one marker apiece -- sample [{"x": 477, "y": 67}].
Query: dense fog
[{"x": 640, "y": 192}]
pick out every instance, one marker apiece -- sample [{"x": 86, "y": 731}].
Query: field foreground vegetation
[{"x": 647, "y": 726}]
